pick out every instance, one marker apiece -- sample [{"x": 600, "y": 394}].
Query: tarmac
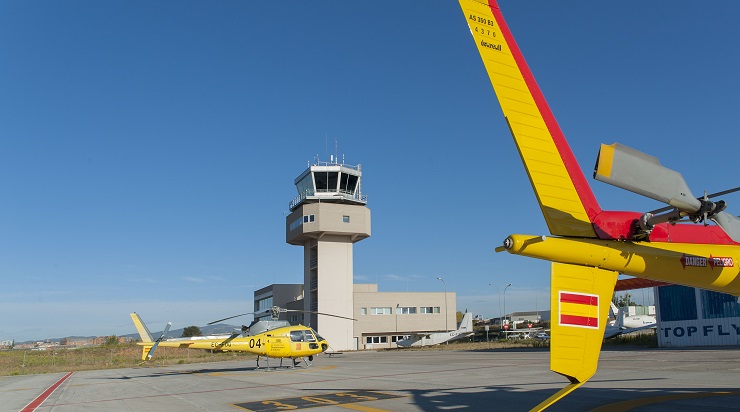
[{"x": 635, "y": 379}]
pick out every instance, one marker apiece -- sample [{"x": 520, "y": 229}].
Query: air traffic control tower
[{"x": 327, "y": 218}]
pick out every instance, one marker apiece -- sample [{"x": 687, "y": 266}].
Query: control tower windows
[
  {"x": 305, "y": 186},
  {"x": 348, "y": 183},
  {"x": 326, "y": 181}
]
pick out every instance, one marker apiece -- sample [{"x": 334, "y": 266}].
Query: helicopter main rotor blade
[
  {"x": 230, "y": 317},
  {"x": 317, "y": 313}
]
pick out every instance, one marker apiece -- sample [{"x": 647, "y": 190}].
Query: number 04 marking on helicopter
[
  {"x": 271, "y": 339},
  {"x": 589, "y": 246}
]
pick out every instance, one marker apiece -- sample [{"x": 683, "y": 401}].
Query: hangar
[{"x": 696, "y": 317}]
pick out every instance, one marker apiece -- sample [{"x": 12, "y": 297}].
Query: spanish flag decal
[{"x": 579, "y": 310}]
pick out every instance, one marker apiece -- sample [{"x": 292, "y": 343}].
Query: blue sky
[{"x": 148, "y": 150}]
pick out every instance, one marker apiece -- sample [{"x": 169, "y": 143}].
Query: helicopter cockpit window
[
  {"x": 318, "y": 337},
  {"x": 309, "y": 337},
  {"x": 296, "y": 336}
]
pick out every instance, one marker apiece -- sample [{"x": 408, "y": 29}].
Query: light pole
[
  {"x": 445, "y": 283},
  {"x": 507, "y": 286},
  {"x": 500, "y": 321}
]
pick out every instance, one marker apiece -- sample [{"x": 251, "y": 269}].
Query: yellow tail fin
[
  {"x": 566, "y": 200},
  {"x": 144, "y": 333}
]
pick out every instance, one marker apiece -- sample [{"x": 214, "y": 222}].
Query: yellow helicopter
[{"x": 269, "y": 338}]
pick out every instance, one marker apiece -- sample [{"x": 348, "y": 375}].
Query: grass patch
[
  {"x": 28, "y": 362},
  {"x": 647, "y": 339}
]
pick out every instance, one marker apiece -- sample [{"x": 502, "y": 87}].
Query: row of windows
[
  {"x": 311, "y": 218},
  {"x": 679, "y": 303},
  {"x": 264, "y": 304},
  {"x": 402, "y": 310},
  {"x": 384, "y": 339}
]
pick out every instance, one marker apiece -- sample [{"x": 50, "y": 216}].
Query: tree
[
  {"x": 623, "y": 301},
  {"x": 191, "y": 331},
  {"x": 111, "y": 341}
]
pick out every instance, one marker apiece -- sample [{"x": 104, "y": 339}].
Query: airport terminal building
[{"x": 383, "y": 318}]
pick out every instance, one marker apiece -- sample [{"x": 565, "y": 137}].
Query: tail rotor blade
[
  {"x": 156, "y": 343},
  {"x": 729, "y": 223}
]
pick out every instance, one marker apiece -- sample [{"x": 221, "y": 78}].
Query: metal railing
[{"x": 345, "y": 194}]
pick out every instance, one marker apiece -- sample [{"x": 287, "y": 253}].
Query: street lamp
[
  {"x": 443, "y": 281},
  {"x": 500, "y": 321},
  {"x": 507, "y": 286}
]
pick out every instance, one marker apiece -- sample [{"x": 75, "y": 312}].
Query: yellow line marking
[{"x": 636, "y": 403}]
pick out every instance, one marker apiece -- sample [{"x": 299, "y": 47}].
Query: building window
[
  {"x": 380, "y": 311},
  {"x": 677, "y": 303},
  {"x": 363, "y": 311},
  {"x": 296, "y": 223},
  {"x": 308, "y": 218},
  {"x": 429, "y": 309},
  {"x": 718, "y": 305},
  {"x": 406, "y": 310},
  {"x": 264, "y": 304},
  {"x": 396, "y": 338},
  {"x": 345, "y": 219},
  {"x": 376, "y": 339}
]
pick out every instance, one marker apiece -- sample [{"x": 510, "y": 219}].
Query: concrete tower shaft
[{"x": 327, "y": 218}]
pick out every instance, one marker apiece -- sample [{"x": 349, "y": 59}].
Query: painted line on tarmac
[
  {"x": 636, "y": 403},
  {"x": 346, "y": 400},
  {"x": 41, "y": 398},
  {"x": 261, "y": 386}
]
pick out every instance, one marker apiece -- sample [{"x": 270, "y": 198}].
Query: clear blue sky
[{"x": 148, "y": 149}]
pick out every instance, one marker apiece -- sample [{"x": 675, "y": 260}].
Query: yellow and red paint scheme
[{"x": 589, "y": 246}]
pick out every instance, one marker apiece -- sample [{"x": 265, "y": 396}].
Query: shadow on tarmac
[{"x": 583, "y": 399}]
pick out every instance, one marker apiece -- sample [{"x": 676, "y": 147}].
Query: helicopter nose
[{"x": 324, "y": 347}]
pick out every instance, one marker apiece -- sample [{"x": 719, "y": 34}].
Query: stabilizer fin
[
  {"x": 144, "y": 333},
  {"x": 566, "y": 200},
  {"x": 580, "y": 301}
]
